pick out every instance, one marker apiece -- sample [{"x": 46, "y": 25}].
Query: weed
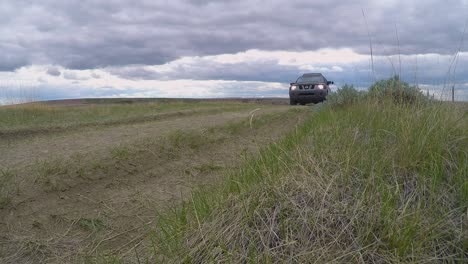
[
  {"x": 190, "y": 139},
  {"x": 121, "y": 153},
  {"x": 50, "y": 172}
]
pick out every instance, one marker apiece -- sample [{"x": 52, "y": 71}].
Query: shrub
[
  {"x": 397, "y": 90},
  {"x": 346, "y": 95}
]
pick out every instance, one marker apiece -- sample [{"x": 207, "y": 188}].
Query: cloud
[
  {"x": 95, "y": 75},
  {"x": 10, "y": 62},
  {"x": 74, "y": 76},
  {"x": 96, "y": 34},
  {"x": 53, "y": 71},
  {"x": 226, "y": 48},
  {"x": 284, "y": 67},
  {"x": 196, "y": 77}
]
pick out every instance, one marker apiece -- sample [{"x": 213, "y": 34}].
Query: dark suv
[{"x": 309, "y": 88}]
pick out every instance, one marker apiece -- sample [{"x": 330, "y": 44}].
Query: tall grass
[
  {"x": 17, "y": 92},
  {"x": 373, "y": 180}
]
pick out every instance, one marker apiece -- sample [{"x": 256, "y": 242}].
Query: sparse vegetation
[
  {"x": 60, "y": 174},
  {"x": 51, "y": 172},
  {"x": 191, "y": 139},
  {"x": 37, "y": 117},
  {"x": 120, "y": 153}
]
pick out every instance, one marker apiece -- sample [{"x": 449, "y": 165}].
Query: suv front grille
[{"x": 306, "y": 86}]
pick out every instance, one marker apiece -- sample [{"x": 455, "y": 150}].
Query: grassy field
[{"x": 367, "y": 177}]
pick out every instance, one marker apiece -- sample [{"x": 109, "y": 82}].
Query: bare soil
[{"x": 83, "y": 194}]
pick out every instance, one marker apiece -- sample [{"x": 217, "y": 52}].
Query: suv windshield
[{"x": 311, "y": 79}]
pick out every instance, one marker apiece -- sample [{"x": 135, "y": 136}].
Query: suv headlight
[
  {"x": 293, "y": 87},
  {"x": 320, "y": 86}
]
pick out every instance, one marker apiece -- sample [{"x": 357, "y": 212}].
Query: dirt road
[
  {"x": 24, "y": 151},
  {"x": 85, "y": 193}
]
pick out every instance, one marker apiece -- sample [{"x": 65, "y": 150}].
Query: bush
[
  {"x": 399, "y": 91},
  {"x": 392, "y": 89},
  {"x": 346, "y": 95}
]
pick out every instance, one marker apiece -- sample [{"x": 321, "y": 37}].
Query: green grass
[
  {"x": 43, "y": 116},
  {"x": 372, "y": 180}
]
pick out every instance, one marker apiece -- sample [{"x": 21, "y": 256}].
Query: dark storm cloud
[
  {"x": 9, "y": 62},
  {"x": 10, "y": 65},
  {"x": 93, "y": 34}
]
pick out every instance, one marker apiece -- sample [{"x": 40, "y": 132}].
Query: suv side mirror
[
  {"x": 291, "y": 83},
  {"x": 330, "y": 82}
]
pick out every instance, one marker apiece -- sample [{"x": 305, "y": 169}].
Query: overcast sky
[{"x": 200, "y": 48}]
